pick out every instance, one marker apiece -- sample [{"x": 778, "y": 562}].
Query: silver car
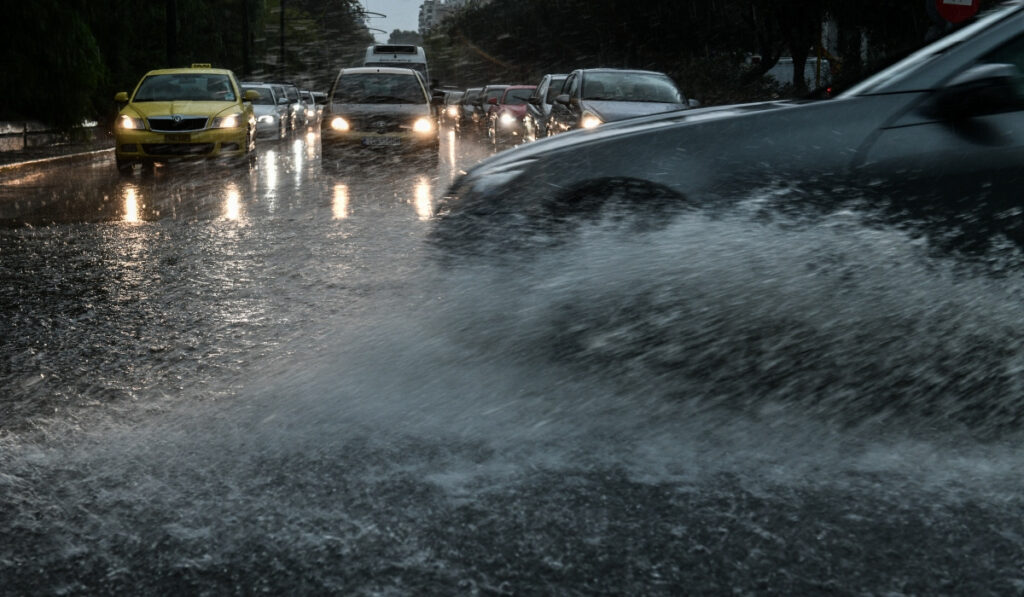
[{"x": 271, "y": 113}]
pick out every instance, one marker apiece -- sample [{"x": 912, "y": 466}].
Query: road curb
[{"x": 70, "y": 157}]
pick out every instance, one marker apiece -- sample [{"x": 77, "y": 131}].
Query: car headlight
[
  {"x": 339, "y": 124},
  {"x": 507, "y": 119},
  {"x": 266, "y": 118},
  {"x": 453, "y": 111},
  {"x": 310, "y": 113},
  {"x": 227, "y": 122},
  {"x": 127, "y": 122},
  {"x": 590, "y": 120},
  {"x": 422, "y": 125}
]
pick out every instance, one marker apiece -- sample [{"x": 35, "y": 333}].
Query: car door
[
  {"x": 534, "y": 111},
  {"x": 961, "y": 177}
]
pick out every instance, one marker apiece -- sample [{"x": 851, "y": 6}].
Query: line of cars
[
  {"x": 204, "y": 112},
  {"x": 584, "y": 98}
]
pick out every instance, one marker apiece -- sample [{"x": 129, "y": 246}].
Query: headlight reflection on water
[
  {"x": 423, "y": 207},
  {"x": 339, "y": 206},
  {"x": 131, "y": 205},
  {"x": 232, "y": 203}
]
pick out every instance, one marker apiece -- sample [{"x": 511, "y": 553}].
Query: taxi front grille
[
  {"x": 162, "y": 124},
  {"x": 177, "y": 148}
]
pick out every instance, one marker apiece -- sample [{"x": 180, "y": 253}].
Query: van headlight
[{"x": 422, "y": 125}]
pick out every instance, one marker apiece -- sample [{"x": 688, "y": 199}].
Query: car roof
[
  {"x": 190, "y": 71},
  {"x": 387, "y": 70},
  {"x": 619, "y": 70},
  {"x": 521, "y": 87}
]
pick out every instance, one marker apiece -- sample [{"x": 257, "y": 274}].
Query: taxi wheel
[{"x": 124, "y": 167}]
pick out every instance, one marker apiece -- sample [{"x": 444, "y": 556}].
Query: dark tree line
[
  {"x": 703, "y": 44},
  {"x": 61, "y": 61}
]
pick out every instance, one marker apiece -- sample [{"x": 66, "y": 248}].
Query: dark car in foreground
[
  {"x": 593, "y": 96},
  {"x": 934, "y": 144}
]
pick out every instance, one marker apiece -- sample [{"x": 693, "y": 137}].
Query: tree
[{"x": 405, "y": 37}]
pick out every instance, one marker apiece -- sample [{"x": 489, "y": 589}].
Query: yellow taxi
[{"x": 197, "y": 112}]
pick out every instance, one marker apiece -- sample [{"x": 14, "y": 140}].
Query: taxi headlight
[
  {"x": 127, "y": 122},
  {"x": 590, "y": 121},
  {"x": 227, "y": 122},
  {"x": 422, "y": 125},
  {"x": 339, "y": 124}
]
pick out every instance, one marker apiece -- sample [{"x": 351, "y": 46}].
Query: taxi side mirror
[{"x": 121, "y": 97}]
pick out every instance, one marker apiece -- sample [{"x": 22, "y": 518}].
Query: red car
[{"x": 505, "y": 116}]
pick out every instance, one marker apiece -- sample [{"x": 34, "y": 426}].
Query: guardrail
[{"x": 20, "y": 136}]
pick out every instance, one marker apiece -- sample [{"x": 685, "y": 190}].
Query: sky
[{"x": 401, "y": 14}]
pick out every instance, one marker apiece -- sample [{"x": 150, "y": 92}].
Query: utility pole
[
  {"x": 282, "y": 39},
  {"x": 246, "y": 44},
  {"x": 171, "y": 23}
]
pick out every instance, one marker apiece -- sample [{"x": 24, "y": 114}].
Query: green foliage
[
  {"x": 63, "y": 60},
  {"x": 701, "y": 43}
]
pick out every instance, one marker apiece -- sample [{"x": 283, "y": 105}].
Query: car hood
[
  {"x": 262, "y": 109},
  {"x": 517, "y": 110},
  {"x": 631, "y": 126},
  {"x": 361, "y": 110},
  {"x": 183, "y": 107},
  {"x": 609, "y": 111}
]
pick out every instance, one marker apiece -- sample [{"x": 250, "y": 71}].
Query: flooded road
[{"x": 218, "y": 380}]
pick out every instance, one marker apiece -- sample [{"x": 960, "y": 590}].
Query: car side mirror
[
  {"x": 250, "y": 96},
  {"x": 121, "y": 97},
  {"x": 282, "y": 100},
  {"x": 981, "y": 90},
  {"x": 533, "y": 99},
  {"x": 562, "y": 99},
  {"x": 492, "y": 101},
  {"x": 693, "y": 103}
]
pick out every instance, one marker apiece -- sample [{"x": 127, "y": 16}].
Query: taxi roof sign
[{"x": 201, "y": 65}]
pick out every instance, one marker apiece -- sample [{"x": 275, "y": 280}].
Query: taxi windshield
[{"x": 185, "y": 86}]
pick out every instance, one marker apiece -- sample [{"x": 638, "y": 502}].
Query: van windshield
[{"x": 379, "y": 88}]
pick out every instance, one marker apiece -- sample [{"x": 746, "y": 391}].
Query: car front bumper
[
  {"x": 371, "y": 139},
  {"x": 132, "y": 145}
]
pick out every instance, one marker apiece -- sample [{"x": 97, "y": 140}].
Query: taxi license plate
[
  {"x": 378, "y": 141},
  {"x": 178, "y": 138}
]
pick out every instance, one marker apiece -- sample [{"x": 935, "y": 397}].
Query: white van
[{"x": 398, "y": 55}]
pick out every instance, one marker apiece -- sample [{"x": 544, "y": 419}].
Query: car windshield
[
  {"x": 493, "y": 94},
  {"x": 266, "y": 97},
  {"x": 516, "y": 97},
  {"x": 630, "y": 87},
  {"x": 378, "y": 88},
  {"x": 185, "y": 86}
]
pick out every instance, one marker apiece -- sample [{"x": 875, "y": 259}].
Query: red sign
[{"x": 955, "y": 11}]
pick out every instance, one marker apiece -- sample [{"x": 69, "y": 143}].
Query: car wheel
[{"x": 124, "y": 167}]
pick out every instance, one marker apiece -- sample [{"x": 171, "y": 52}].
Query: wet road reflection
[{"x": 289, "y": 176}]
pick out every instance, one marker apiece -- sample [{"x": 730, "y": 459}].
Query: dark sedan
[
  {"x": 594, "y": 96},
  {"x": 933, "y": 144}
]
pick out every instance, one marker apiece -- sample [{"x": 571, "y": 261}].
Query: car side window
[{"x": 571, "y": 86}]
